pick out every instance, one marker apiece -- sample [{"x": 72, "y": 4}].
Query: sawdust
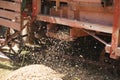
[
  {"x": 3, "y": 73},
  {"x": 35, "y": 72}
]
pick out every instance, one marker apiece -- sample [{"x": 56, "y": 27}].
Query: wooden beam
[
  {"x": 75, "y": 23},
  {"x": 88, "y": 1}
]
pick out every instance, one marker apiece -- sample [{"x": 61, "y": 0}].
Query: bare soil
[
  {"x": 74, "y": 65},
  {"x": 69, "y": 58}
]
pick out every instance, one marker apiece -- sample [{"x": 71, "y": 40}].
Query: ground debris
[{"x": 69, "y": 58}]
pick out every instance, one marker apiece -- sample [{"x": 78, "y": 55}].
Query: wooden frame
[{"x": 10, "y": 14}]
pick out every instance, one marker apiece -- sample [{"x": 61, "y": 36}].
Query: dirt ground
[
  {"x": 53, "y": 56},
  {"x": 69, "y": 58}
]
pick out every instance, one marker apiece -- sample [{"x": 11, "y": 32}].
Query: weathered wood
[
  {"x": 17, "y": 0},
  {"x": 75, "y": 23},
  {"x": 116, "y": 31},
  {"x": 10, "y": 5},
  {"x": 10, "y": 15},
  {"x": 10, "y": 24},
  {"x": 92, "y": 1}
]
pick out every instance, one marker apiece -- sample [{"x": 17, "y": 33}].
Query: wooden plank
[
  {"x": 104, "y": 17},
  {"x": 54, "y": 12},
  {"x": 89, "y": 1},
  {"x": 90, "y": 7},
  {"x": 10, "y": 15},
  {"x": 75, "y": 23},
  {"x": 92, "y": 1},
  {"x": 10, "y": 5},
  {"x": 14, "y": 1},
  {"x": 98, "y": 18},
  {"x": 7, "y": 23},
  {"x": 17, "y": 0}
]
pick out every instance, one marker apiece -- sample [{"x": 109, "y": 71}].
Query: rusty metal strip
[
  {"x": 10, "y": 15},
  {"x": 75, "y": 23},
  {"x": 10, "y": 5},
  {"x": 10, "y": 24}
]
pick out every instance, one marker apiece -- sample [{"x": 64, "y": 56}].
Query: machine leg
[{"x": 116, "y": 31}]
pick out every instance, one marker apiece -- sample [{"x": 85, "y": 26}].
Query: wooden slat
[
  {"x": 14, "y": 15},
  {"x": 10, "y": 15},
  {"x": 89, "y": 1},
  {"x": 10, "y": 5},
  {"x": 90, "y": 7},
  {"x": 10, "y": 24},
  {"x": 17, "y": 0}
]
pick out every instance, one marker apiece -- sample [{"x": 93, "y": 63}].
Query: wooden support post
[
  {"x": 36, "y": 7},
  {"x": 39, "y": 6},
  {"x": 57, "y": 4},
  {"x": 116, "y": 30}
]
